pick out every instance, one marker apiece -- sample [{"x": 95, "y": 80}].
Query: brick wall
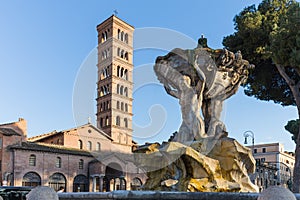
[{"x": 45, "y": 166}]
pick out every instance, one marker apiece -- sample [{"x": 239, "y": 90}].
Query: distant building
[
  {"x": 84, "y": 158},
  {"x": 274, "y": 166}
]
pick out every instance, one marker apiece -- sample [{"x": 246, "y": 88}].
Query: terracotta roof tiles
[
  {"x": 33, "y": 146},
  {"x": 8, "y": 132}
]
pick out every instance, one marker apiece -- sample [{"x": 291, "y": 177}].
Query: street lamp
[{"x": 249, "y": 134}]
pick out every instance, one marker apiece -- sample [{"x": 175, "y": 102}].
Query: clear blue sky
[{"x": 44, "y": 44}]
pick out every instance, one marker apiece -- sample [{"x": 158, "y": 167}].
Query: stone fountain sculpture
[{"x": 199, "y": 157}]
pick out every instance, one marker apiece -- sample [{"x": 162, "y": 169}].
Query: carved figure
[
  {"x": 199, "y": 157},
  {"x": 201, "y": 79}
]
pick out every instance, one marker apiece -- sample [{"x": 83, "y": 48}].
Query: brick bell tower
[{"x": 115, "y": 83}]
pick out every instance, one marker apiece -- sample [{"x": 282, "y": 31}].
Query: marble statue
[
  {"x": 199, "y": 156},
  {"x": 201, "y": 79}
]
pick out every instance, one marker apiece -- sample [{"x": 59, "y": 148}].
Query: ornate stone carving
[
  {"x": 177, "y": 167},
  {"x": 200, "y": 156},
  {"x": 201, "y": 79}
]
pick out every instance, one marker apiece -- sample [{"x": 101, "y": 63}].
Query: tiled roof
[
  {"x": 8, "y": 132},
  {"x": 39, "y": 137},
  {"x": 42, "y": 136},
  {"x": 9, "y": 123},
  {"x": 105, "y": 155},
  {"x": 49, "y": 148}
]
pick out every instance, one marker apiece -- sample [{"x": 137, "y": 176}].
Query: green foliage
[
  {"x": 285, "y": 39},
  {"x": 269, "y": 35},
  {"x": 293, "y": 127}
]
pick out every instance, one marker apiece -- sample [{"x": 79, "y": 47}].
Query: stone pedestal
[{"x": 174, "y": 166}]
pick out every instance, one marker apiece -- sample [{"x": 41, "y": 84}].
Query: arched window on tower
[
  {"x": 126, "y": 91},
  {"x": 107, "y": 71},
  {"x": 126, "y": 38},
  {"x": 118, "y": 105},
  {"x": 118, "y": 71},
  {"x": 126, "y": 56},
  {"x": 126, "y": 107},
  {"x": 104, "y": 90},
  {"x": 103, "y": 55},
  {"x": 122, "y": 36},
  {"x": 126, "y": 74},
  {"x": 107, "y": 89},
  {"x": 106, "y": 121},
  {"x": 122, "y": 106},
  {"x": 118, "y": 121},
  {"x": 122, "y": 54},
  {"x": 121, "y": 90},
  {"x": 106, "y": 35},
  {"x": 126, "y": 122},
  {"x": 101, "y": 92},
  {"x": 103, "y": 74},
  {"x": 119, "y": 52},
  {"x": 101, "y": 122},
  {"x": 104, "y": 105},
  {"x": 108, "y": 104},
  {"x": 103, "y": 37},
  {"x": 119, "y": 33},
  {"x": 122, "y": 72},
  {"x": 118, "y": 89}
]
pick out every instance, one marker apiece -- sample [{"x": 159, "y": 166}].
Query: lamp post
[{"x": 249, "y": 134}]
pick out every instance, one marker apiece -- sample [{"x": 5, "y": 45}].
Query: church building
[{"x": 89, "y": 157}]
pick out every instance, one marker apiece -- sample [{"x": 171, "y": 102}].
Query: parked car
[{"x": 14, "y": 193}]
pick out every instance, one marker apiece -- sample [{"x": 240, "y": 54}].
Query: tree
[
  {"x": 293, "y": 126},
  {"x": 269, "y": 37}
]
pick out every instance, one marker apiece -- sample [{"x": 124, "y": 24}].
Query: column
[
  {"x": 94, "y": 183},
  {"x": 101, "y": 182}
]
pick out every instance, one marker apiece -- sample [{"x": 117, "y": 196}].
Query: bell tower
[{"x": 115, "y": 83}]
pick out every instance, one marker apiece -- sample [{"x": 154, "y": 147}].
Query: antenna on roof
[
  {"x": 89, "y": 120},
  {"x": 116, "y": 12}
]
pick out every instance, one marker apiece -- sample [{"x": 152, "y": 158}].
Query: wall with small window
[
  {"x": 122, "y": 90},
  {"x": 122, "y": 72},
  {"x": 123, "y": 54},
  {"x": 104, "y": 121},
  {"x": 44, "y": 167},
  {"x": 122, "y": 105},
  {"x": 104, "y": 106},
  {"x": 104, "y": 35},
  {"x": 122, "y": 121},
  {"x": 77, "y": 138},
  {"x": 32, "y": 160},
  {"x": 122, "y": 36},
  {"x": 105, "y": 72},
  {"x": 104, "y": 90},
  {"x": 55, "y": 139},
  {"x": 58, "y": 162},
  {"x": 106, "y": 53}
]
